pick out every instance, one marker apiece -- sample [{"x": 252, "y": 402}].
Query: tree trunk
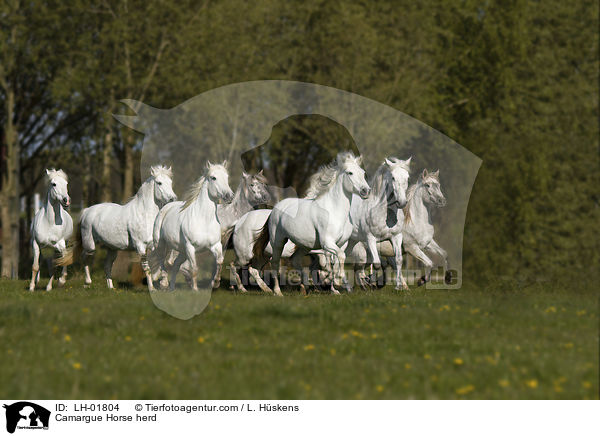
[
  {"x": 106, "y": 158},
  {"x": 10, "y": 195},
  {"x": 127, "y": 167}
]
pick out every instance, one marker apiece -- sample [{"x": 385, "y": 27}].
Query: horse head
[
  {"x": 255, "y": 188},
  {"x": 217, "y": 178},
  {"x": 396, "y": 176},
  {"x": 163, "y": 185},
  {"x": 430, "y": 182},
  {"x": 57, "y": 187},
  {"x": 354, "y": 176}
]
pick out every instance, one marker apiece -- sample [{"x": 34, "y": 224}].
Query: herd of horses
[{"x": 340, "y": 216}]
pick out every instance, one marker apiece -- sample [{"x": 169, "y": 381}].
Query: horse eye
[
  {"x": 213, "y": 178},
  {"x": 53, "y": 184},
  {"x": 427, "y": 185},
  {"x": 350, "y": 173},
  {"x": 159, "y": 183}
]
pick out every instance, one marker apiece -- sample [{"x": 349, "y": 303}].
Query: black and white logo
[{"x": 26, "y": 415}]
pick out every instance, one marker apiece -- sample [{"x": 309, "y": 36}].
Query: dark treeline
[{"x": 515, "y": 82}]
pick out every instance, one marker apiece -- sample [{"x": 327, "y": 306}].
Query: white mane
[
  {"x": 325, "y": 177},
  {"x": 193, "y": 192},
  {"x": 157, "y": 170},
  {"x": 52, "y": 173}
]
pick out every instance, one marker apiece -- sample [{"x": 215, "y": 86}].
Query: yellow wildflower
[
  {"x": 458, "y": 361},
  {"x": 465, "y": 390},
  {"x": 201, "y": 339},
  {"x": 533, "y": 383},
  {"x": 77, "y": 366},
  {"x": 309, "y": 347}
]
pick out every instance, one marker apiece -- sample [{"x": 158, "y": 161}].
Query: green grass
[{"x": 478, "y": 342}]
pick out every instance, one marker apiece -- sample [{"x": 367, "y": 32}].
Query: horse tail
[
  {"x": 226, "y": 238},
  {"x": 261, "y": 241},
  {"x": 73, "y": 252}
]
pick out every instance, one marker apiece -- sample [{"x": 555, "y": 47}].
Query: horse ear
[
  {"x": 245, "y": 175},
  {"x": 388, "y": 162},
  {"x": 260, "y": 173},
  {"x": 225, "y": 163},
  {"x": 407, "y": 161},
  {"x": 437, "y": 174},
  {"x": 208, "y": 165},
  {"x": 47, "y": 172},
  {"x": 424, "y": 174},
  {"x": 359, "y": 160}
]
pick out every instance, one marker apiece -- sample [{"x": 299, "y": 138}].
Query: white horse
[
  {"x": 123, "y": 227},
  {"x": 244, "y": 238},
  {"x": 370, "y": 223},
  {"x": 52, "y": 226},
  {"x": 189, "y": 226},
  {"x": 251, "y": 192},
  {"x": 321, "y": 220},
  {"x": 418, "y": 231}
]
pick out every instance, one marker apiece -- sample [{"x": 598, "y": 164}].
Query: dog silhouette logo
[{"x": 26, "y": 415}]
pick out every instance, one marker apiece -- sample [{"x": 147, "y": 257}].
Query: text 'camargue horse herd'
[{"x": 340, "y": 216}]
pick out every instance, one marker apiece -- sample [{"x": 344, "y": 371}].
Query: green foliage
[{"x": 514, "y": 82}]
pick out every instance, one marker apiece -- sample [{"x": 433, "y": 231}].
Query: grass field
[{"x": 479, "y": 342}]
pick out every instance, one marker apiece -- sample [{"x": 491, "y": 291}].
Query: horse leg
[
  {"x": 338, "y": 258},
  {"x": 416, "y": 251},
  {"x": 35, "y": 268},
  {"x": 442, "y": 259},
  {"x": 373, "y": 255},
  {"x": 259, "y": 281},
  {"x": 146, "y": 269},
  {"x": 192, "y": 268},
  {"x": 178, "y": 261},
  {"x": 111, "y": 255},
  {"x": 217, "y": 251},
  {"x": 297, "y": 265},
  {"x": 63, "y": 276},
  {"x": 397, "y": 246},
  {"x": 51, "y": 270},
  {"x": 276, "y": 262},
  {"x": 237, "y": 278}
]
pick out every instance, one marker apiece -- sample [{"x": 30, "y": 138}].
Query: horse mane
[
  {"x": 193, "y": 192},
  {"x": 325, "y": 177},
  {"x": 56, "y": 173},
  {"x": 157, "y": 170},
  {"x": 377, "y": 181}
]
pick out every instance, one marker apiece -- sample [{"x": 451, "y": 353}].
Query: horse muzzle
[
  {"x": 66, "y": 202},
  {"x": 364, "y": 193}
]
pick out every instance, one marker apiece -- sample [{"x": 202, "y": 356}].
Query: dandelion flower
[
  {"x": 504, "y": 383},
  {"x": 465, "y": 390},
  {"x": 458, "y": 361},
  {"x": 379, "y": 388},
  {"x": 128, "y": 338},
  {"x": 309, "y": 347},
  {"x": 77, "y": 366},
  {"x": 85, "y": 309},
  {"x": 427, "y": 357},
  {"x": 201, "y": 339},
  {"x": 533, "y": 383},
  {"x": 67, "y": 338}
]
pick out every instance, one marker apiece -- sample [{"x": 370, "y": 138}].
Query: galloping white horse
[
  {"x": 123, "y": 227},
  {"x": 52, "y": 226},
  {"x": 418, "y": 230},
  {"x": 321, "y": 220},
  {"x": 251, "y": 192},
  {"x": 193, "y": 225},
  {"x": 369, "y": 217},
  {"x": 244, "y": 238}
]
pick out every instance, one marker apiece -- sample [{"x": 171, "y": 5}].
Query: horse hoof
[{"x": 448, "y": 277}]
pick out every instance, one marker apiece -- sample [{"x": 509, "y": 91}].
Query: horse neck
[
  {"x": 238, "y": 207},
  {"x": 144, "y": 199},
  {"x": 336, "y": 197},
  {"x": 417, "y": 208},
  {"x": 53, "y": 210},
  {"x": 203, "y": 206},
  {"x": 377, "y": 213}
]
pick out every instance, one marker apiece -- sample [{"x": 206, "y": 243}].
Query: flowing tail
[
  {"x": 73, "y": 252},
  {"x": 261, "y": 241}
]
